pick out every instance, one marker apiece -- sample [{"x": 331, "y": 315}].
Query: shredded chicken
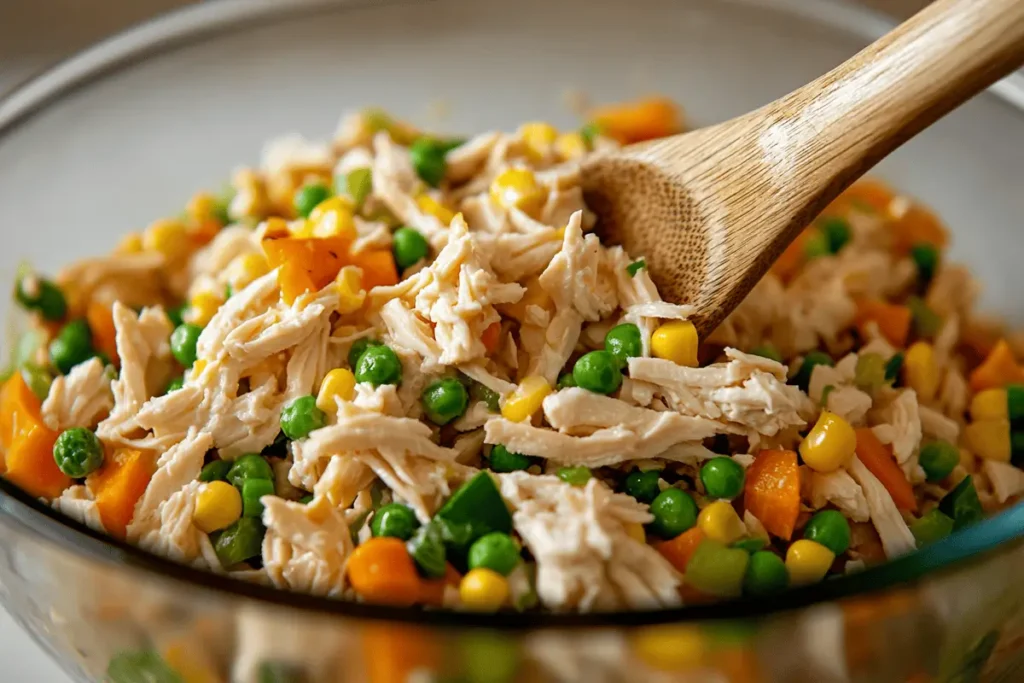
[
  {"x": 892, "y": 530},
  {"x": 77, "y": 503},
  {"x": 306, "y": 546},
  {"x": 79, "y": 399},
  {"x": 839, "y": 489}
]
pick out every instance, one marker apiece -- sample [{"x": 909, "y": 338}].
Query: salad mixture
[{"x": 400, "y": 368}]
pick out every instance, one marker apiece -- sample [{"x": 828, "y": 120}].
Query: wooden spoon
[{"x": 711, "y": 210}]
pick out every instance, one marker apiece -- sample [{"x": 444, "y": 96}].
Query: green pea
[
  {"x": 767, "y": 351},
  {"x": 379, "y": 365},
  {"x": 674, "y": 512},
  {"x": 308, "y": 197},
  {"x": 428, "y": 158},
  {"x": 174, "y": 314},
  {"x": 216, "y": 470},
  {"x": 766, "y": 574},
  {"x": 496, "y": 551},
  {"x": 623, "y": 342},
  {"x": 635, "y": 267},
  {"x": 300, "y": 417},
  {"x": 722, "y": 477},
  {"x": 504, "y": 460},
  {"x": 71, "y": 346},
  {"x": 38, "y": 379},
  {"x": 803, "y": 376},
  {"x": 38, "y": 294},
  {"x": 938, "y": 459},
  {"x": 409, "y": 247},
  {"x": 1015, "y": 403},
  {"x": 142, "y": 666},
  {"x": 395, "y": 521},
  {"x": 357, "y": 184},
  {"x": 933, "y": 526},
  {"x": 444, "y": 400},
  {"x": 926, "y": 258},
  {"x": 252, "y": 491},
  {"x": 183, "y": 343},
  {"x": 249, "y": 466},
  {"x": 836, "y": 231},
  {"x": 575, "y": 476},
  {"x": 597, "y": 371},
  {"x": 962, "y": 504},
  {"x": 241, "y": 541},
  {"x": 717, "y": 570},
  {"x": 359, "y": 347},
  {"x": 642, "y": 485},
  {"x": 816, "y": 246},
  {"x": 175, "y": 384},
  {"x": 78, "y": 452},
  {"x": 893, "y": 367},
  {"x": 426, "y": 547},
  {"x": 566, "y": 381},
  {"x": 869, "y": 373},
  {"x": 830, "y": 529},
  {"x": 478, "y": 392}
]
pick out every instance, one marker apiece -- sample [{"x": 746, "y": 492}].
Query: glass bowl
[{"x": 126, "y": 131}]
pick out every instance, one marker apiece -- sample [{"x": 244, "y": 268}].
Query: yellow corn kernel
[
  {"x": 169, "y": 237},
  {"x": 570, "y": 146},
  {"x": 526, "y": 399},
  {"x": 300, "y": 227},
  {"x": 200, "y": 207},
  {"x": 830, "y": 444},
  {"x": 990, "y": 404},
  {"x": 517, "y": 188},
  {"x": 676, "y": 341},
  {"x": 202, "y": 308},
  {"x": 636, "y": 531},
  {"x": 129, "y": 244},
  {"x": 671, "y": 647},
  {"x": 719, "y": 522},
  {"x": 435, "y": 208},
  {"x": 332, "y": 218},
  {"x": 351, "y": 294},
  {"x": 197, "y": 368},
  {"x": 989, "y": 439},
  {"x": 920, "y": 371},
  {"x": 483, "y": 589},
  {"x": 808, "y": 562},
  {"x": 218, "y": 505},
  {"x": 539, "y": 138},
  {"x": 245, "y": 268},
  {"x": 338, "y": 383}
]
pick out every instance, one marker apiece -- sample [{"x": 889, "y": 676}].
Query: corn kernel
[
  {"x": 920, "y": 370},
  {"x": 517, "y": 188},
  {"x": 130, "y": 244},
  {"x": 202, "y": 308},
  {"x": 338, "y": 383},
  {"x": 719, "y": 522},
  {"x": 197, "y": 368},
  {"x": 300, "y": 227},
  {"x": 676, "y": 341},
  {"x": 218, "y": 505},
  {"x": 570, "y": 146},
  {"x": 989, "y": 439},
  {"x": 830, "y": 444},
  {"x": 635, "y": 530},
  {"x": 431, "y": 206},
  {"x": 483, "y": 589},
  {"x": 200, "y": 207},
  {"x": 168, "y": 237},
  {"x": 808, "y": 562},
  {"x": 990, "y": 404},
  {"x": 351, "y": 294},
  {"x": 526, "y": 399},
  {"x": 246, "y": 268},
  {"x": 539, "y": 139},
  {"x": 671, "y": 647},
  {"x": 333, "y": 218}
]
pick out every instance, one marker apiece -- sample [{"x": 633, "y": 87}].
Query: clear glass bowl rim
[{"x": 983, "y": 542}]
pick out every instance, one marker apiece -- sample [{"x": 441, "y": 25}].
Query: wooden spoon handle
[{"x": 831, "y": 131}]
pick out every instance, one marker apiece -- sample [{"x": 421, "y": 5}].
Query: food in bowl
[{"x": 406, "y": 371}]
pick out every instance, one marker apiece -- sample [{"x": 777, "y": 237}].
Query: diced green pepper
[
  {"x": 933, "y": 526},
  {"x": 962, "y": 504},
  {"x": 1015, "y": 404},
  {"x": 803, "y": 376},
  {"x": 893, "y": 367},
  {"x": 426, "y": 547},
  {"x": 869, "y": 374},
  {"x": 478, "y": 507}
]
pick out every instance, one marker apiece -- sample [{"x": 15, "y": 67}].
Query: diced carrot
[
  {"x": 792, "y": 259},
  {"x": 878, "y": 458},
  {"x": 637, "y": 121},
  {"x": 432, "y": 591},
  {"x": 893, "y": 320},
  {"x": 772, "y": 491},
  {"x": 380, "y": 570},
  {"x": 118, "y": 485},
  {"x": 28, "y": 442},
  {"x": 101, "y": 323},
  {"x": 868, "y": 193},
  {"x": 680, "y": 549},
  {"x": 378, "y": 266},
  {"x": 918, "y": 225},
  {"x": 320, "y": 257},
  {"x": 392, "y": 652},
  {"x": 998, "y": 369},
  {"x": 294, "y": 281},
  {"x": 491, "y": 336}
]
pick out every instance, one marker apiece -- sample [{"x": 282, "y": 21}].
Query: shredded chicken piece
[
  {"x": 132, "y": 279},
  {"x": 839, "y": 489},
  {"x": 77, "y": 503},
  {"x": 892, "y": 529},
  {"x": 937, "y": 425},
  {"x": 585, "y": 556},
  {"x": 1007, "y": 481},
  {"x": 898, "y": 423},
  {"x": 79, "y": 399},
  {"x": 306, "y": 547}
]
